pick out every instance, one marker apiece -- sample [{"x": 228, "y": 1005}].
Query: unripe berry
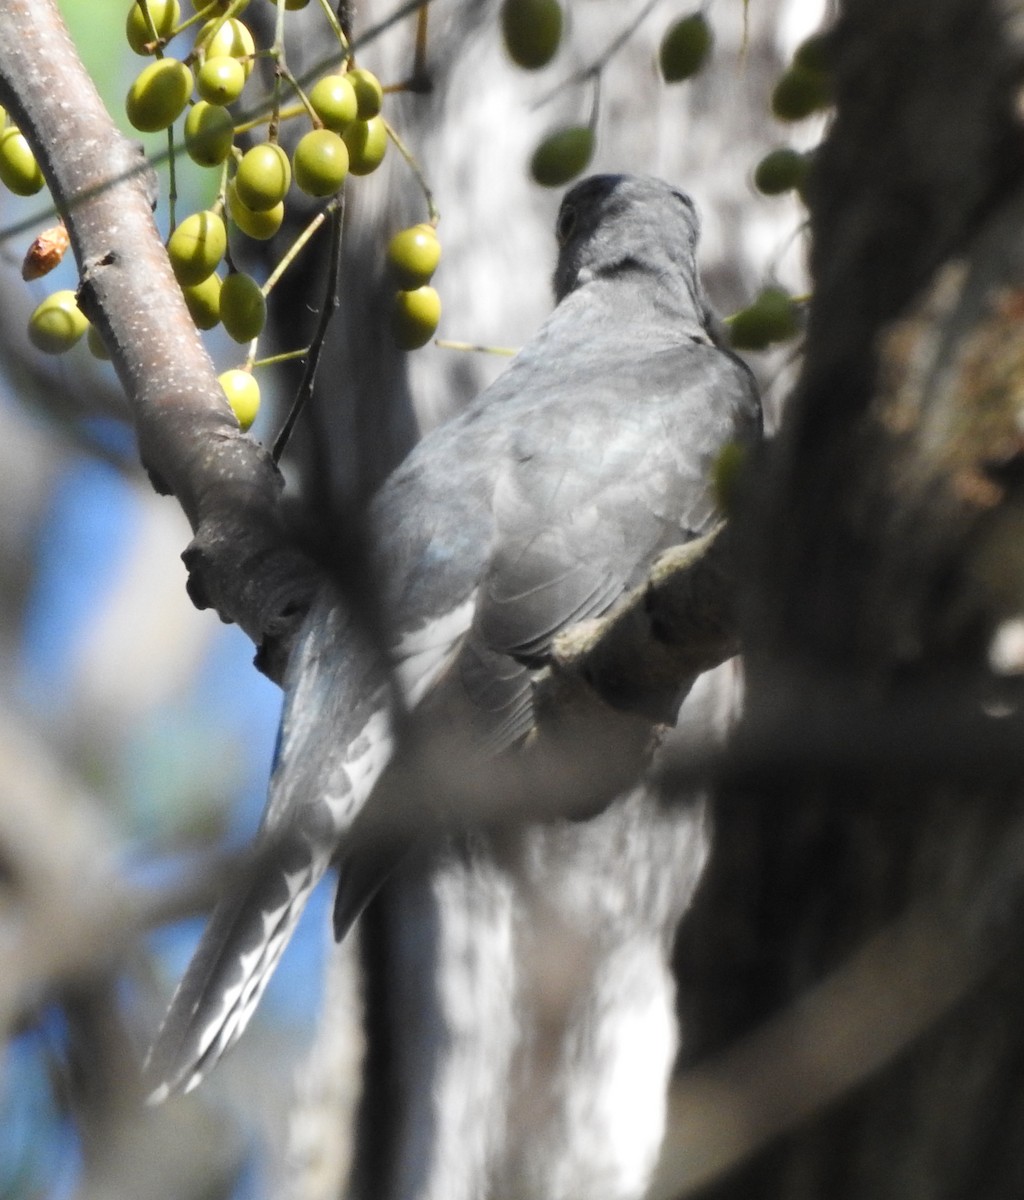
[
  {"x": 97, "y": 346},
  {"x": 780, "y": 171},
  {"x": 165, "y": 15},
  {"x": 57, "y": 323},
  {"x": 415, "y": 317},
  {"x": 243, "y": 394},
  {"x": 771, "y": 318},
  {"x": 243, "y": 307},
  {"x": 19, "y": 171},
  {"x": 684, "y": 48},
  {"x": 334, "y": 101},
  {"x": 321, "y": 162},
  {"x": 799, "y": 93},
  {"x": 367, "y": 142},
  {"x": 231, "y": 38},
  {"x": 209, "y": 134},
  {"x": 203, "y": 301},
  {"x": 369, "y": 93},
  {"x": 220, "y": 80},
  {"x": 562, "y": 156},
  {"x": 196, "y": 247},
  {"x": 532, "y": 30},
  {"x": 263, "y": 176},
  {"x": 258, "y": 225},
  {"x": 158, "y": 95},
  {"x": 413, "y": 255}
]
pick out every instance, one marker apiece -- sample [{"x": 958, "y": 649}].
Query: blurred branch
[{"x": 840, "y": 1032}]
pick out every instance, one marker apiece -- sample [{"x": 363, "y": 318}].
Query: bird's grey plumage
[{"x": 537, "y": 507}]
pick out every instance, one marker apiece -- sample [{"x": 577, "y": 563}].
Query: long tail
[{"x": 239, "y": 950}]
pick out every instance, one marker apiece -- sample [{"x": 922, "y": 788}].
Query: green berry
[
  {"x": 532, "y": 30},
  {"x": 414, "y": 317},
  {"x": 369, "y": 93},
  {"x": 258, "y": 225},
  {"x": 726, "y": 475},
  {"x": 203, "y": 301},
  {"x": 367, "y": 142},
  {"x": 3, "y": 116},
  {"x": 209, "y": 134},
  {"x": 815, "y": 53},
  {"x": 413, "y": 255},
  {"x": 19, "y": 171},
  {"x": 243, "y": 307},
  {"x": 562, "y": 155},
  {"x": 334, "y": 101},
  {"x": 57, "y": 323},
  {"x": 243, "y": 394},
  {"x": 684, "y": 48},
  {"x": 799, "y": 93},
  {"x": 771, "y": 318},
  {"x": 197, "y": 246},
  {"x": 220, "y": 80},
  {"x": 231, "y": 38},
  {"x": 165, "y": 15},
  {"x": 263, "y": 177},
  {"x": 158, "y": 95},
  {"x": 97, "y": 346},
  {"x": 320, "y": 163},
  {"x": 780, "y": 171}
]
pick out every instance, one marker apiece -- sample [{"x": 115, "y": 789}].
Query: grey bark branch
[
  {"x": 242, "y": 561},
  {"x": 678, "y": 624}
]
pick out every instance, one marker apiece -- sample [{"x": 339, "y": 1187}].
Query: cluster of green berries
[
  {"x": 349, "y": 136},
  {"x": 413, "y": 255},
  {"x": 773, "y": 316},
  {"x": 532, "y": 31},
  {"x": 803, "y": 89}
]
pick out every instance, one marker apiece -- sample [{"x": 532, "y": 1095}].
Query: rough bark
[{"x": 885, "y": 555}]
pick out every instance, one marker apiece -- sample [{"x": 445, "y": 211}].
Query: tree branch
[
  {"x": 680, "y": 622},
  {"x": 242, "y": 561}
]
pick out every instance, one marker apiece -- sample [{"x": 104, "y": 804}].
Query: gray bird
[{"x": 539, "y": 506}]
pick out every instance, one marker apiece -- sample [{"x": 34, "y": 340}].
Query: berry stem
[
  {"x": 594, "y": 69},
  {"x": 448, "y": 344},
  {"x": 304, "y": 99},
  {"x": 284, "y": 356},
  {"x": 156, "y": 41},
  {"x": 289, "y": 256},
  {"x": 339, "y": 33},
  {"x": 432, "y": 209}
]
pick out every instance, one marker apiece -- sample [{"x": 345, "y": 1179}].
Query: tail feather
[{"x": 234, "y": 962}]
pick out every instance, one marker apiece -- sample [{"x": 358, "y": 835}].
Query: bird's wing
[{"x": 585, "y": 502}]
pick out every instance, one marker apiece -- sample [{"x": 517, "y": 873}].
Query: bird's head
[{"x": 616, "y": 226}]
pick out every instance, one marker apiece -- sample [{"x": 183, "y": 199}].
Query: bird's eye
[{"x": 566, "y": 223}]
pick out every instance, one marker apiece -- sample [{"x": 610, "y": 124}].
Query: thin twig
[{"x": 327, "y": 310}]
